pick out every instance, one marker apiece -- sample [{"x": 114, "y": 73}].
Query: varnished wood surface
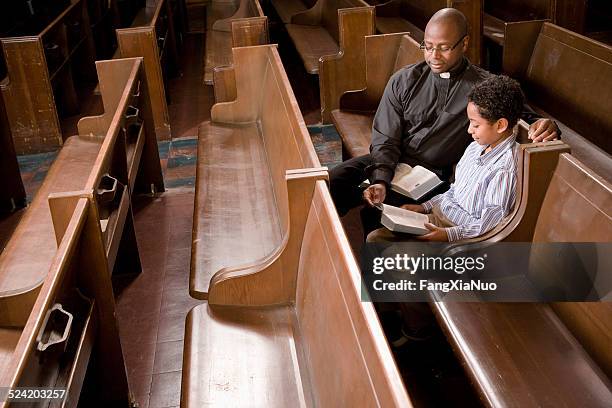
[
  {"x": 288, "y": 8},
  {"x": 522, "y": 355},
  {"x": 244, "y": 153},
  {"x": 324, "y": 350},
  {"x": 312, "y": 42},
  {"x": 238, "y": 222},
  {"x": 355, "y": 129},
  {"x": 388, "y": 25},
  {"x": 12, "y": 192},
  {"x": 527, "y": 342}
]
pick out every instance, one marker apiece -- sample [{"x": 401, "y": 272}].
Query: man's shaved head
[
  {"x": 452, "y": 17},
  {"x": 446, "y": 30}
]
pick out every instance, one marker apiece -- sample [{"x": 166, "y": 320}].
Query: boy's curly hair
[{"x": 498, "y": 97}]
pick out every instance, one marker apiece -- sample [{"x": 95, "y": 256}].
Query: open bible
[
  {"x": 413, "y": 182},
  {"x": 400, "y": 220}
]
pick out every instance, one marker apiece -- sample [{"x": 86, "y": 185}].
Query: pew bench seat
[
  {"x": 270, "y": 344},
  {"x": 311, "y": 342},
  {"x": 522, "y": 353},
  {"x": 27, "y": 256},
  {"x": 388, "y": 25},
  {"x": 235, "y": 218},
  {"x": 355, "y": 130},
  {"x": 288, "y": 8},
  {"x": 312, "y": 42}
]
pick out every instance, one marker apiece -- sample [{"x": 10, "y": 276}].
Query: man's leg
[{"x": 344, "y": 181}]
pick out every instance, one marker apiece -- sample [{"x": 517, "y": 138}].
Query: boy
[{"x": 485, "y": 178}]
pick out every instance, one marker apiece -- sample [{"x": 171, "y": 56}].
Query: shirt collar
[
  {"x": 488, "y": 158},
  {"x": 455, "y": 72}
]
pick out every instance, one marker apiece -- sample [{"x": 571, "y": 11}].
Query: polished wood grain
[
  {"x": 384, "y": 55},
  {"x": 345, "y": 71},
  {"x": 153, "y": 25},
  {"x": 39, "y": 85},
  {"x": 286, "y": 9},
  {"x": 245, "y": 152},
  {"x": 320, "y": 347},
  {"x": 412, "y": 16},
  {"x": 328, "y": 30},
  {"x": 528, "y": 342},
  {"x": 248, "y": 26}
]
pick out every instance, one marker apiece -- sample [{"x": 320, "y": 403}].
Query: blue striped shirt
[{"x": 484, "y": 190}]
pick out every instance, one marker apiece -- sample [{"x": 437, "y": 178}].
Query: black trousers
[{"x": 344, "y": 181}]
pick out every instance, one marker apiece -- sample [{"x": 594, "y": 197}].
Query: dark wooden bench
[
  {"x": 412, "y": 16},
  {"x": 568, "y": 77},
  {"x": 328, "y": 28},
  {"x": 241, "y": 207},
  {"x": 152, "y": 37},
  {"x": 12, "y": 193},
  {"x": 528, "y": 356},
  {"x": 292, "y": 331},
  {"x": 497, "y": 13},
  {"x": 43, "y": 69},
  {"x": 592, "y": 18},
  {"x": 384, "y": 55},
  {"x": 114, "y": 155},
  {"x": 247, "y": 26}
]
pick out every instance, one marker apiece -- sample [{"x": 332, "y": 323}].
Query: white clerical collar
[{"x": 445, "y": 75}]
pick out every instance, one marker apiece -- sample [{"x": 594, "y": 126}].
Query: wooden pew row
[
  {"x": 42, "y": 70},
  {"x": 247, "y": 26},
  {"x": 114, "y": 155},
  {"x": 547, "y": 358},
  {"x": 286, "y": 9},
  {"x": 73, "y": 317},
  {"x": 309, "y": 342},
  {"x": 412, "y": 16},
  {"x": 152, "y": 36},
  {"x": 498, "y": 13},
  {"x": 241, "y": 210},
  {"x": 384, "y": 55},
  {"x": 328, "y": 28},
  {"x": 572, "y": 88},
  {"x": 12, "y": 192}
]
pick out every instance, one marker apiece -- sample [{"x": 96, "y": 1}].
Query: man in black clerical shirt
[{"x": 421, "y": 120}]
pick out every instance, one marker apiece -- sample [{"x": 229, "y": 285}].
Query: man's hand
[
  {"x": 375, "y": 194},
  {"x": 437, "y": 234},
  {"x": 414, "y": 207},
  {"x": 543, "y": 130}
]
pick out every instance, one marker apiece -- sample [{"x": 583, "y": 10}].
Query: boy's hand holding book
[
  {"x": 437, "y": 234},
  {"x": 414, "y": 207}
]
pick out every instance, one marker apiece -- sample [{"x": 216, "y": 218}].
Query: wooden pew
[
  {"x": 307, "y": 340},
  {"x": 572, "y": 87},
  {"x": 152, "y": 37},
  {"x": 12, "y": 193},
  {"x": 412, "y": 16},
  {"x": 592, "y": 18},
  {"x": 286, "y": 9},
  {"x": 114, "y": 155},
  {"x": 241, "y": 208},
  {"x": 541, "y": 361},
  {"x": 73, "y": 317},
  {"x": 247, "y": 26},
  {"x": 385, "y": 54},
  {"x": 328, "y": 28},
  {"x": 498, "y": 13},
  {"x": 42, "y": 69}
]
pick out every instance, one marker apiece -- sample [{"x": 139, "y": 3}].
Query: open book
[
  {"x": 399, "y": 220},
  {"x": 413, "y": 182}
]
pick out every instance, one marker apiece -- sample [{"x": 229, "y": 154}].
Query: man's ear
[
  {"x": 502, "y": 125},
  {"x": 466, "y": 42}
]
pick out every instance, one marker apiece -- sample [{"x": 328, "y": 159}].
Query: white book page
[
  {"x": 405, "y": 217},
  {"x": 411, "y": 178}
]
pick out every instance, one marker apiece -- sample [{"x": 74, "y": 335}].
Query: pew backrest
[
  {"x": 569, "y": 77},
  {"x": 578, "y": 208}
]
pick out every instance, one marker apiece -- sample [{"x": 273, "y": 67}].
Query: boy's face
[{"x": 482, "y": 131}]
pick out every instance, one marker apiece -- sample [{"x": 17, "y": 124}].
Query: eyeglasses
[{"x": 442, "y": 48}]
